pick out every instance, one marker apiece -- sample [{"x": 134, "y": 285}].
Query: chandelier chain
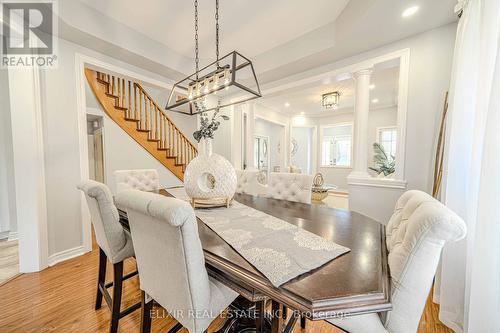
[
  {"x": 196, "y": 51},
  {"x": 217, "y": 31}
]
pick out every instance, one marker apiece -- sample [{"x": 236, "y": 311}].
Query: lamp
[
  {"x": 227, "y": 81},
  {"x": 331, "y": 100}
]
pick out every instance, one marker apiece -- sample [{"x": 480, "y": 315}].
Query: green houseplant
[{"x": 384, "y": 163}]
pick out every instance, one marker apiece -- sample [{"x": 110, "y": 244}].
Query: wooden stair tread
[
  {"x": 121, "y": 108},
  {"x": 143, "y": 130},
  {"x": 153, "y": 140},
  {"x": 112, "y": 96},
  {"x": 102, "y": 81},
  {"x": 131, "y": 119}
]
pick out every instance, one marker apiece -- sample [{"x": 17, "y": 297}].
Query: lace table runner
[{"x": 279, "y": 250}]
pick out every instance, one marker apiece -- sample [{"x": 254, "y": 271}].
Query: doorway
[{"x": 261, "y": 153}]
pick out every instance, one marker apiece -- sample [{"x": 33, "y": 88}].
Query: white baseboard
[
  {"x": 65, "y": 255},
  {"x": 14, "y": 235},
  {"x": 4, "y": 234}
]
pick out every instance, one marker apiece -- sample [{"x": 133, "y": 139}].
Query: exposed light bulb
[
  {"x": 226, "y": 76},
  {"x": 190, "y": 92},
  {"x": 205, "y": 84},
  {"x": 216, "y": 82}
]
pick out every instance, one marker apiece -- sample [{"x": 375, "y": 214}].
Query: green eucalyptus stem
[{"x": 208, "y": 126}]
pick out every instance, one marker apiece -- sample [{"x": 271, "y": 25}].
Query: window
[
  {"x": 336, "y": 146},
  {"x": 386, "y": 137}
]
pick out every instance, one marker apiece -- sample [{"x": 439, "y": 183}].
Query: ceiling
[
  {"x": 281, "y": 37},
  {"x": 307, "y": 98},
  {"x": 251, "y": 27}
]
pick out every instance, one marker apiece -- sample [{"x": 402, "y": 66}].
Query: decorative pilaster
[
  {"x": 250, "y": 130},
  {"x": 361, "y": 110}
]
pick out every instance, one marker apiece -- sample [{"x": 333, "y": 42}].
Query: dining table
[{"x": 355, "y": 283}]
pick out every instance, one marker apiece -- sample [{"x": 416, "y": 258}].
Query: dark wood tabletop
[{"x": 355, "y": 283}]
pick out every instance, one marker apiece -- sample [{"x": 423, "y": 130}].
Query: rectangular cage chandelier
[
  {"x": 331, "y": 100},
  {"x": 227, "y": 81}
]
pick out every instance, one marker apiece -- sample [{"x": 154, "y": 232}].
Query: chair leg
[
  {"x": 117, "y": 296},
  {"x": 146, "y": 308},
  {"x": 303, "y": 322},
  {"x": 101, "y": 278}
]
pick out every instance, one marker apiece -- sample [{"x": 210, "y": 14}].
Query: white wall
[
  {"x": 7, "y": 188},
  {"x": 275, "y": 133},
  {"x": 303, "y": 158}
]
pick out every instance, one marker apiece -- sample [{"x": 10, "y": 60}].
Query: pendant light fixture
[
  {"x": 331, "y": 100},
  {"x": 229, "y": 80}
]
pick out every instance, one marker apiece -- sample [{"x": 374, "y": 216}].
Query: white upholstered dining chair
[
  {"x": 140, "y": 179},
  {"x": 415, "y": 236},
  {"x": 248, "y": 183},
  {"x": 115, "y": 245},
  {"x": 170, "y": 261},
  {"x": 290, "y": 186}
]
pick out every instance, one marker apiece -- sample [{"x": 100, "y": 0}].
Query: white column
[
  {"x": 29, "y": 168},
  {"x": 360, "y": 135}
]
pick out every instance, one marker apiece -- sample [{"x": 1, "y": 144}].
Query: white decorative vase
[{"x": 209, "y": 175}]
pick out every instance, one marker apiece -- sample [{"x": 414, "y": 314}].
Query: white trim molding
[
  {"x": 377, "y": 182},
  {"x": 66, "y": 255},
  {"x": 13, "y": 235}
]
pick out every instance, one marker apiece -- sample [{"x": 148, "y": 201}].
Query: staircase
[{"x": 133, "y": 109}]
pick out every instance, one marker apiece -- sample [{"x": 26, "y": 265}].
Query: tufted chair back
[
  {"x": 415, "y": 236},
  {"x": 141, "y": 179},
  {"x": 248, "y": 183},
  {"x": 170, "y": 257},
  {"x": 290, "y": 186},
  {"x": 109, "y": 233}
]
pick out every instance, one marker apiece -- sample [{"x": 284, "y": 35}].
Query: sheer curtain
[{"x": 468, "y": 289}]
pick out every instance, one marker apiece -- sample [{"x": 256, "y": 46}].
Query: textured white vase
[{"x": 209, "y": 175}]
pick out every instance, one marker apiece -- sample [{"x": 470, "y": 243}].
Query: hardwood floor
[
  {"x": 61, "y": 299},
  {"x": 9, "y": 260}
]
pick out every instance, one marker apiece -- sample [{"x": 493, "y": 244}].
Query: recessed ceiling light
[
  {"x": 287, "y": 104},
  {"x": 410, "y": 11},
  {"x": 375, "y": 100},
  {"x": 302, "y": 113},
  {"x": 372, "y": 86}
]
